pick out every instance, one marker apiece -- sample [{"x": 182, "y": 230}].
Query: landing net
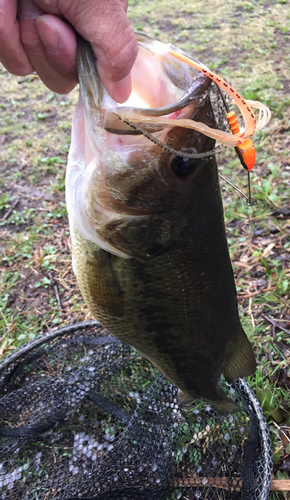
[{"x": 84, "y": 416}]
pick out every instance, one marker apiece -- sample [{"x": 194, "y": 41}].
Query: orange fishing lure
[
  {"x": 245, "y": 148},
  {"x": 246, "y": 151},
  {"x": 142, "y": 120}
]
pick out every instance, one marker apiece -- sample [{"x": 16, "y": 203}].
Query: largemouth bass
[{"x": 148, "y": 236}]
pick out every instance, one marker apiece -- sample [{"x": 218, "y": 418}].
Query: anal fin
[
  {"x": 224, "y": 406},
  {"x": 183, "y": 398},
  {"x": 241, "y": 359}
]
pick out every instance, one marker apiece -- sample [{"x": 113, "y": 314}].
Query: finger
[
  {"x": 124, "y": 5},
  {"x": 105, "y": 25},
  {"x": 115, "y": 46},
  {"x": 59, "y": 41},
  {"x": 12, "y": 54},
  {"x": 50, "y": 45}
]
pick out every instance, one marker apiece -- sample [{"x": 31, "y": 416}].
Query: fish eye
[{"x": 182, "y": 167}]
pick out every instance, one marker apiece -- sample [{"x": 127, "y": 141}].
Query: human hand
[{"x": 34, "y": 35}]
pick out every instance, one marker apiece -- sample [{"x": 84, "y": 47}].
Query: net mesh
[{"x": 84, "y": 416}]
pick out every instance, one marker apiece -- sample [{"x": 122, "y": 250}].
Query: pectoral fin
[
  {"x": 138, "y": 239},
  {"x": 241, "y": 359},
  {"x": 103, "y": 284}
]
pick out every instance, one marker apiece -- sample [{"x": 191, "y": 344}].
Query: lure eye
[{"x": 183, "y": 167}]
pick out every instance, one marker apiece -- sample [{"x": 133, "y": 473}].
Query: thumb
[{"x": 116, "y": 48}]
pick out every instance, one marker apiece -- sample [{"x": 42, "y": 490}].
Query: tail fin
[{"x": 225, "y": 406}]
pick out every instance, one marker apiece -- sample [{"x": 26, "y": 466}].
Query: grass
[{"x": 246, "y": 42}]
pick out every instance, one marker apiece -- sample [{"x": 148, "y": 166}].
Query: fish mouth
[
  {"x": 161, "y": 87},
  {"x": 151, "y": 113},
  {"x": 114, "y": 123},
  {"x": 173, "y": 92}
]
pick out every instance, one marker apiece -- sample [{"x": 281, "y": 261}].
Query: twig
[
  {"x": 8, "y": 213},
  {"x": 284, "y": 320},
  {"x": 274, "y": 332},
  {"x": 233, "y": 484},
  {"x": 56, "y": 292},
  {"x": 275, "y": 324},
  {"x": 243, "y": 297},
  {"x": 226, "y": 483},
  {"x": 28, "y": 78},
  {"x": 251, "y": 314},
  {"x": 2, "y": 338},
  {"x": 2, "y": 348},
  {"x": 280, "y": 485}
]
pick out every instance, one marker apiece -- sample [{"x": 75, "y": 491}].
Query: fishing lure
[
  {"x": 245, "y": 151},
  {"x": 143, "y": 118},
  {"x": 245, "y": 148},
  {"x": 148, "y": 121},
  {"x": 243, "y": 105}
]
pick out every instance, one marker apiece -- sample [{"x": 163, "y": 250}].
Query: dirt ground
[{"x": 249, "y": 44}]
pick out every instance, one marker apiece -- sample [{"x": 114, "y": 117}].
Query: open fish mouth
[
  {"x": 162, "y": 91},
  {"x": 164, "y": 94},
  {"x": 133, "y": 108},
  {"x": 173, "y": 80}
]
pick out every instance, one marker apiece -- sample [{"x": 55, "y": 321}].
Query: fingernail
[
  {"x": 29, "y": 9},
  {"x": 48, "y": 34},
  {"x": 121, "y": 90}
]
